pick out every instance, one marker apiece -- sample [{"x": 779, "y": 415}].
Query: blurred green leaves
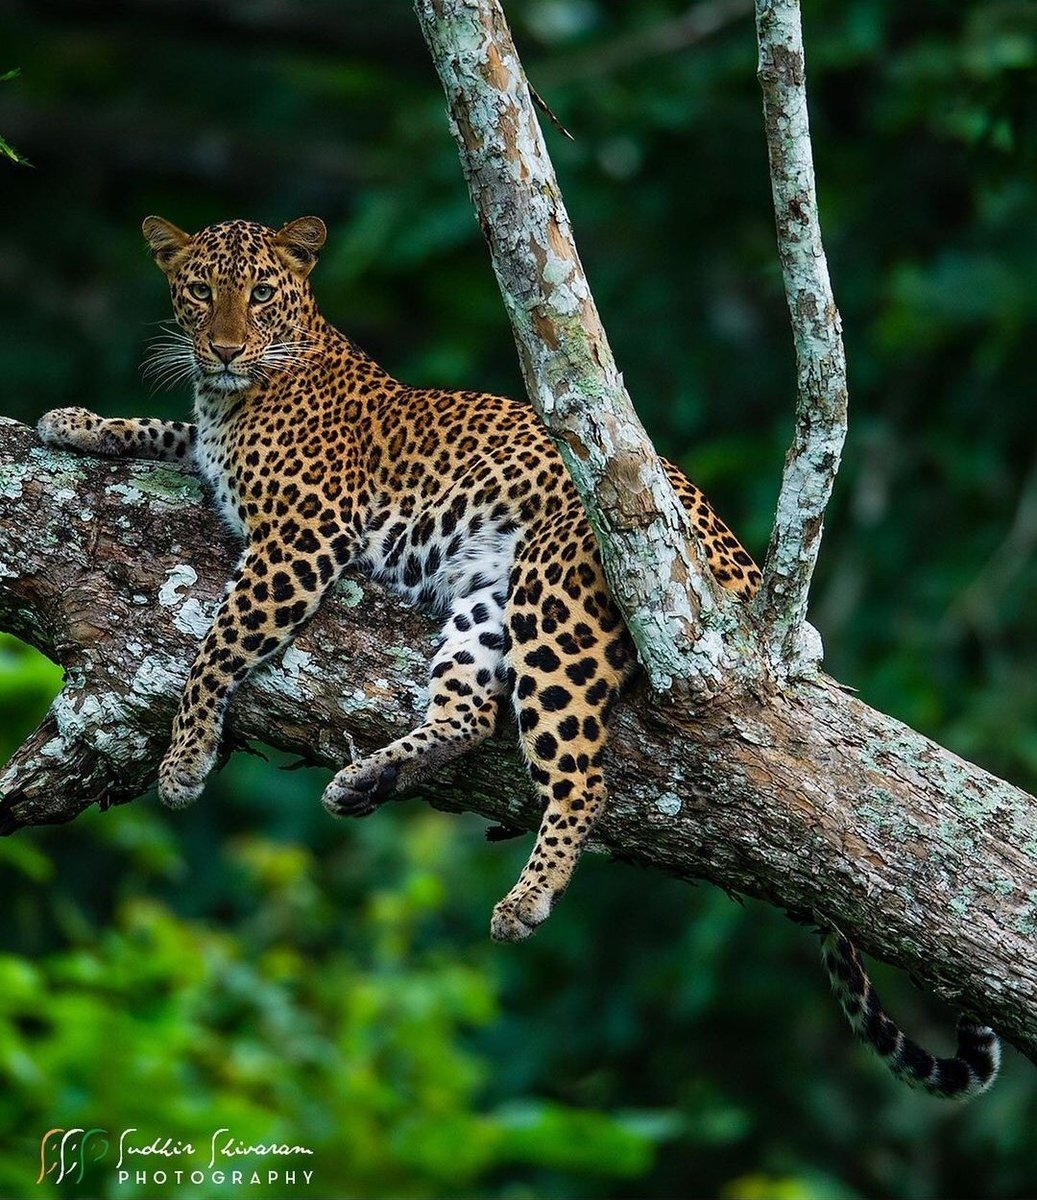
[
  {"x": 176, "y": 1027},
  {"x": 29, "y": 682}
]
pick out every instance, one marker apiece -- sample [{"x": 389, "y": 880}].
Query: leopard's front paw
[
  {"x": 69, "y": 428},
  {"x": 183, "y": 772},
  {"x": 520, "y": 912},
  {"x": 360, "y": 789}
]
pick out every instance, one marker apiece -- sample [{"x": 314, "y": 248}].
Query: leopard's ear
[
  {"x": 299, "y": 242},
  {"x": 164, "y": 240}
]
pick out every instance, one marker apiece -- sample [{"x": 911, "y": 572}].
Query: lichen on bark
[
  {"x": 821, "y": 391},
  {"x": 807, "y": 799}
]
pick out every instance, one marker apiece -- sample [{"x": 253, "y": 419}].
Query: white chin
[{"x": 226, "y": 381}]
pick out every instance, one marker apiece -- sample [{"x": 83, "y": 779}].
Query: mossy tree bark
[
  {"x": 821, "y": 397},
  {"x": 811, "y": 801}
]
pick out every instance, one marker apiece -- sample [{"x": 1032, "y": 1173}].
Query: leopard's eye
[
  {"x": 261, "y": 293},
  {"x": 200, "y": 291}
]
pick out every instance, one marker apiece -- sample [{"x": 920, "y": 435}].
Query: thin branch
[
  {"x": 813, "y": 459},
  {"x": 542, "y": 104},
  {"x": 684, "y": 628}
]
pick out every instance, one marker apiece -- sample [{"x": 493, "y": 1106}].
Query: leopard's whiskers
[{"x": 169, "y": 357}]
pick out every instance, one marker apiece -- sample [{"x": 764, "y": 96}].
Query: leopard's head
[{"x": 241, "y": 295}]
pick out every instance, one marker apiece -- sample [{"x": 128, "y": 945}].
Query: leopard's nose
[{"x": 226, "y": 354}]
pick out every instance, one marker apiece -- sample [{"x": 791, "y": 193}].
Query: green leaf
[{"x": 5, "y": 148}]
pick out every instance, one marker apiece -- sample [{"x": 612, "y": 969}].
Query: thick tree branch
[
  {"x": 813, "y": 458},
  {"x": 811, "y": 801},
  {"x": 685, "y": 629}
]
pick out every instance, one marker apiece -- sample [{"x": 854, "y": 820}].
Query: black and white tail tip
[{"x": 969, "y": 1073}]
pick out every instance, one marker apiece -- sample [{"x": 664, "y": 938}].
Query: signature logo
[{"x": 64, "y": 1153}]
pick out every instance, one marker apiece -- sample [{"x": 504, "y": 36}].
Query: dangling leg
[
  {"x": 464, "y": 700},
  {"x": 570, "y": 655},
  {"x": 261, "y": 612}
]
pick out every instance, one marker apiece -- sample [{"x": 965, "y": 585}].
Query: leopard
[{"x": 318, "y": 459}]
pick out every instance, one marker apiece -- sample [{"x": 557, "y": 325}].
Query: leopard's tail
[{"x": 969, "y": 1073}]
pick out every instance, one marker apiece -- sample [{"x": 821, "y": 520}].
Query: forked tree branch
[
  {"x": 811, "y": 801},
  {"x": 684, "y": 627},
  {"x": 684, "y": 630}
]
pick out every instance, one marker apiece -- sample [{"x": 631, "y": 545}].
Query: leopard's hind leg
[
  {"x": 465, "y": 688},
  {"x": 571, "y": 656}
]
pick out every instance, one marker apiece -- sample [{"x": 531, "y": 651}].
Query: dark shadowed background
[{"x": 255, "y": 965}]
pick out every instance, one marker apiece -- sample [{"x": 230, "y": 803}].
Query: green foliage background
[{"x": 252, "y": 964}]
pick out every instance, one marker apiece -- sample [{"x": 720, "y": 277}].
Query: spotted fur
[
  {"x": 971, "y": 1070},
  {"x": 318, "y": 458}
]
